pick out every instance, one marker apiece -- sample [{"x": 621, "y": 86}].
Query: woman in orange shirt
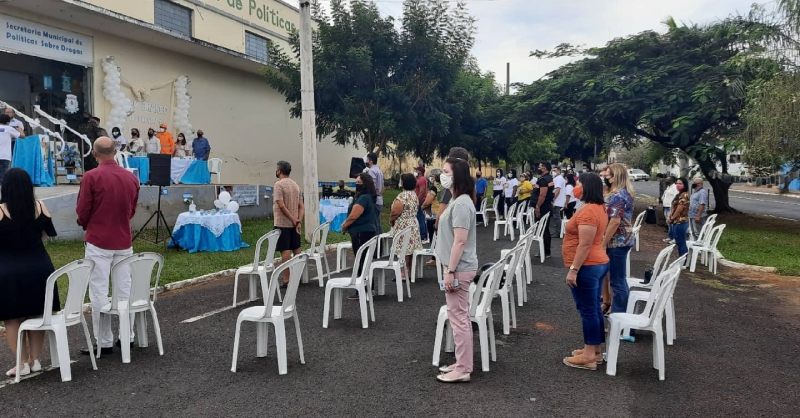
[{"x": 585, "y": 255}]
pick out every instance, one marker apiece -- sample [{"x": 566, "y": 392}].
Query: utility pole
[
  {"x": 508, "y": 78},
  {"x": 310, "y": 175}
]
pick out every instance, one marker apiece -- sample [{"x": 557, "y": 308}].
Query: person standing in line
[
  {"x": 666, "y": 201},
  {"x": 25, "y": 266},
  {"x": 403, "y": 215},
  {"x": 360, "y": 222},
  {"x": 456, "y": 248},
  {"x": 498, "y": 185},
  {"x": 543, "y": 197},
  {"x": 430, "y": 207},
  {"x": 106, "y": 204},
  {"x": 200, "y": 147},
  {"x": 421, "y": 190},
  {"x": 152, "y": 143},
  {"x": 7, "y": 135},
  {"x": 289, "y": 211},
  {"x": 380, "y": 187},
  {"x": 166, "y": 140},
  {"x": 679, "y": 216},
  {"x": 559, "y": 201},
  {"x": 619, "y": 233},
  {"x": 480, "y": 191},
  {"x": 586, "y": 257},
  {"x": 525, "y": 189},
  {"x": 119, "y": 141},
  {"x": 570, "y": 200},
  {"x": 697, "y": 207},
  {"x": 586, "y": 168},
  {"x": 181, "y": 149},
  {"x": 510, "y": 190},
  {"x": 136, "y": 144}
]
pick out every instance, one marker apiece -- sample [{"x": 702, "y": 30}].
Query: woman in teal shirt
[{"x": 360, "y": 222}]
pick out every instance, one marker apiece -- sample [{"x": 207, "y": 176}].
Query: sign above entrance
[{"x": 31, "y": 38}]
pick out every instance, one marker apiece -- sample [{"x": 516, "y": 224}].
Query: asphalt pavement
[
  {"x": 785, "y": 207},
  {"x": 732, "y": 358}
]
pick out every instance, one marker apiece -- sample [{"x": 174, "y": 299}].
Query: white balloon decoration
[
  {"x": 233, "y": 207},
  {"x": 121, "y": 107},
  {"x": 181, "y": 114},
  {"x": 225, "y": 197},
  {"x": 218, "y": 204}
]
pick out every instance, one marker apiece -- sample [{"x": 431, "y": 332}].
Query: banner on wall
[
  {"x": 36, "y": 39},
  {"x": 246, "y": 195}
]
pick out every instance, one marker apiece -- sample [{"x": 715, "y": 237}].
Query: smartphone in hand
[{"x": 441, "y": 284}]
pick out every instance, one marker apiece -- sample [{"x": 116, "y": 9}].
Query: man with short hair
[
  {"x": 7, "y": 135},
  {"x": 288, "y": 211},
  {"x": 698, "y": 203},
  {"x": 543, "y": 196},
  {"x": 586, "y": 168},
  {"x": 559, "y": 200},
  {"x": 106, "y": 204},
  {"x": 15, "y": 123},
  {"x": 200, "y": 147},
  {"x": 380, "y": 186},
  {"x": 421, "y": 190},
  {"x": 480, "y": 191}
]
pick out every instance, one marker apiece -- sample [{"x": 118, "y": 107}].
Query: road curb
[
  {"x": 742, "y": 266},
  {"x": 792, "y": 195}
]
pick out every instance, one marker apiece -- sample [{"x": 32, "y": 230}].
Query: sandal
[
  {"x": 579, "y": 353},
  {"x": 579, "y": 362}
]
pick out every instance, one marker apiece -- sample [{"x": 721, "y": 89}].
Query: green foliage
[{"x": 638, "y": 156}]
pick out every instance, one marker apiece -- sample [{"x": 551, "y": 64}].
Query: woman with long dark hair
[
  {"x": 24, "y": 265},
  {"x": 571, "y": 201},
  {"x": 498, "y": 185},
  {"x": 360, "y": 222},
  {"x": 455, "y": 247},
  {"x": 181, "y": 149},
  {"x": 679, "y": 216}
]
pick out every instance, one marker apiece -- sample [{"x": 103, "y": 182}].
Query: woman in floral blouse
[{"x": 679, "y": 216}]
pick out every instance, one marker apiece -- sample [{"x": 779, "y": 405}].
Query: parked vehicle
[{"x": 635, "y": 174}]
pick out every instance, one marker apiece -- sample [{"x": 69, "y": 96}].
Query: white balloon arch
[
  {"x": 121, "y": 106},
  {"x": 181, "y": 114}
]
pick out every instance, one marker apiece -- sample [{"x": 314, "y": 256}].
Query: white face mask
[
  {"x": 163, "y": 130},
  {"x": 416, "y": 174},
  {"x": 446, "y": 180},
  {"x": 511, "y": 176}
]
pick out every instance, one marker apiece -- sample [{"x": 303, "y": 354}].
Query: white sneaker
[{"x": 37, "y": 367}]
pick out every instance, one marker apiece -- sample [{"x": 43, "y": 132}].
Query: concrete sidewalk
[{"x": 763, "y": 190}]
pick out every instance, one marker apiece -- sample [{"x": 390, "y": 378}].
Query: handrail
[{"x": 34, "y": 123}]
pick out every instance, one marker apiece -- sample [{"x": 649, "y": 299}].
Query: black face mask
[
  {"x": 606, "y": 182},
  {"x": 478, "y": 176},
  {"x": 359, "y": 188},
  {"x": 694, "y": 186}
]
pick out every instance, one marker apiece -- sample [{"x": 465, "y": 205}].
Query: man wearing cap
[
  {"x": 421, "y": 190},
  {"x": 166, "y": 139}
]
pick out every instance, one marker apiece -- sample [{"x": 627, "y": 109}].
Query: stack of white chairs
[
  {"x": 538, "y": 235},
  {"x": 259, "y": 269},
  {"x": 317, "y": 253},
  {"x": 361, "y": 283},
  {"x": 396, "y": 262},
  {"x": 341, "y": 255},
  {"x": 512, "y": 272},
  {"x": 418, "y": 261},
  {"x": 56, "y": 324},
  {"x": 482, "y": 212},
  {"x": 506, "y": 223},
  {"x": 384, "y": 239},
  {"x": 637, "y": 226},
  {"x": 275, "y": 315},
  {"x": 480, "y": 312},
  {"x": 708, "y": 250},
  {"x": 523, "y": 275},
  {"x": 142, "y": 266},
  {"x": 649, "y": 320},
  {"x": 522, "y": 218}
]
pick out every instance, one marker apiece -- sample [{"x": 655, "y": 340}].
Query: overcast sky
[{"x": 509, "y": 29}]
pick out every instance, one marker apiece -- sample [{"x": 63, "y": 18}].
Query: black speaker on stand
[{"x": 160, "y": 166}]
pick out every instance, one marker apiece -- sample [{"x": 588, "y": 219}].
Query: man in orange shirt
[{"x": 166, "y": 139}]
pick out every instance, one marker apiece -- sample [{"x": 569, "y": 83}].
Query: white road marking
[
  {"x": 766, "y": 201},
  {"x": 10, "y": 381},
  {"x": 214, "y": 312}
]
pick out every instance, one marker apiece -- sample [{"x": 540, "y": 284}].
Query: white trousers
[{"x": 98, "y": 290}]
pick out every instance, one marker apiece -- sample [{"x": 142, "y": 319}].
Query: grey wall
[{"x": 62, "y": 208}]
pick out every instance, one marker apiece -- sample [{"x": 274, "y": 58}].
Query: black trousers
[
  {"x": 501, "y": 206},
  {"x": 544, "y": 210},
  {"x": 358, "y": 239}
]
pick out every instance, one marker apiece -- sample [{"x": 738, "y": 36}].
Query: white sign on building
[{"x": 31, "y": 38}]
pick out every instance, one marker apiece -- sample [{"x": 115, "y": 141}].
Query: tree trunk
[{"x": 720, "y": 185}]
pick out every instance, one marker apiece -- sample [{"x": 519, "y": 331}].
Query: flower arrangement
[{"x": 71, "y": 156}]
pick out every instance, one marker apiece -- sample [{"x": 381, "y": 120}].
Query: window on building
[
  {"x": 256, "y": 47},
  {"x": 173, "y": 17}
]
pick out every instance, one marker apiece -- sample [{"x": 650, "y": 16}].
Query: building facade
[{"x": 52, "y": 55}]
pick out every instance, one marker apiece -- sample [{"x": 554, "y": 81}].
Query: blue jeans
[
  {"x": 619, "y": 283},
  {"x": 587, "y": 296},
  {"x": 5, "y": 165},
  {"x": 423, "y": 230},
  {"x": 666, "y": 217},
  {"x": 678, "y": 233}
]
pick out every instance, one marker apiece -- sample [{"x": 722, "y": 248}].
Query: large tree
[{"x": 682, "y": 89}]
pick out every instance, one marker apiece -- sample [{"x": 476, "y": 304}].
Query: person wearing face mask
[
  {"x": 380, "y": 187},
  {"x": 360, "y": 222},
  {"x": 543, "y": 200},
  {"x": 200, "y": 147},
  {"x": 152, "y": 143},
  {"x": 559, "y": 201},
  {"x": 698, "y": 206},
  {"x": 167, "y": 141},
  {"x": 498, "y": 185},
  {"x": 619, "y": 233},
  {"x": 136, "y": 144},
  {"x": 181, "y": 149},
  {"x": 403, "y": 215},
  {"x": 288, "y": 210},
  {"x": 119, "y": 140},
  {"x": 510, "y": 189},
  {"x": 421, "y": 190},
  {"x": 569, "y": 196},
  {"x": 666, "y": 199},
  {"x": 679, "y": 216},
  {"x": 430, "y": 207}
]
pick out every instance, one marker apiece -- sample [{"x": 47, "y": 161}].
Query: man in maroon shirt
[
  {"x": 421, "y": 191},
  {"x": 106, "y": 203}
]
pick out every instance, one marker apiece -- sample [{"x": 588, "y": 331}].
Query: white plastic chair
[
  {"x": 637, "y": 226},
  {"x": 523, "y": 275},
  {"x": 359, "y": 282},
  {"x": 506, "y": 223},
  {"x": 493, "y": 209},
  {"x": 139, "y": 302},
  {"x": 259, "y": 269},
  {"x": 215, "y": 167},
  {"x": 341, "y": 255},
  {"x": 649, "y": 320},
  {"x": 710, "y": 221},
  {"x": 275, "y": 315},
  {"x": 418, "y": 261},
  {"x": 520, "y": 218},
  {"x": 636, "y": 296},
  {"x": 56, "y": 324},
  {"x": 482, "y": 211},
  {"x": 513, "y": 272},
  {"x": 121, "y": 158},
  {"x": 538, "y": 235},
  {"x": 662, "y": 261},
  {"x": 394, "y": 263},
  {"x": 317, "y": 253},
  {"x": 480, "y": 312},
  {"x": 709, "y": 251},
  {"x": 383, "y": 239}
]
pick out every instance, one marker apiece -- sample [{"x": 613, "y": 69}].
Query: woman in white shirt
[
  {"x": 510, "y": 188},
  {"x": 569, "y": 191},
  {"x": 136, "y": 144},
  {"x": 153, "y": 144},
  {"x": 119, "y": 140},
  {"x": 497, "y": 192},
  {"x": 181, "y": 149}
]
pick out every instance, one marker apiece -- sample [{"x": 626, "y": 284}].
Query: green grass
[{"x": 761, "y": 241}]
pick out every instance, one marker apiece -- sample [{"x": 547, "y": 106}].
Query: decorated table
[
  {"x": 201, "y": 231},
  {"x": 333, "y": 211},
  {"x": 142, "y": 164},
  {"x": 190, "y": 171}
]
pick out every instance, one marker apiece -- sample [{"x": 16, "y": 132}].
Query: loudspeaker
[
  {"x": 160, "y": 165},
  {"x": 357, "y": 166}
]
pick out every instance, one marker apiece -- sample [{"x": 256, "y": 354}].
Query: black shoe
[
  {"x": 545, "y": 256},
  {"x": 103, "y": 350}
]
